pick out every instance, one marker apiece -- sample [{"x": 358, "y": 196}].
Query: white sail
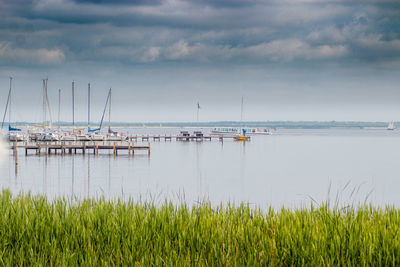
[{"x": 391, "y": 126}]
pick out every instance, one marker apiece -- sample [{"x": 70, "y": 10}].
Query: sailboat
[
  {"x": 94, "y": 133},
  {"x": 13, "y": 133},
  {"x": 90, "y": 130},
  {"x": 47, "y": 134},
  {"x": 242, "y": 133},
  {"x": 71, "y": 136},
  {"x": 391, "y": 126},
  {"x": 112, "y": 135}
]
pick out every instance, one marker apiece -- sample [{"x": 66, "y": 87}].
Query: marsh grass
[{"x": 34, "y": 231}]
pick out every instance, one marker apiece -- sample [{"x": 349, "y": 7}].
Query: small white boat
[
  {"x": 68, "y": 137},
  {"x": 115, "y": 138},
  {"x": 34, "y": 133},
  {"x": 83, "y": 137},
  {"x": 249, "y": 131},
  {"x": 47, "y": 137},
  {"x": 15, "y": 137},
  {"x": 257, "y": 131},
  {"x": 391, "y": 126},
  {"x": 96, "y": 137},
  {"x": 224, "y": 130}
]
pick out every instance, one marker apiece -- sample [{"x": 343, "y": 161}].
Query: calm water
[{"x": 289, "y": 168}]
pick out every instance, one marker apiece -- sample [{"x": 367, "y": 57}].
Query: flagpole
[{"x": 198, "y": 109}]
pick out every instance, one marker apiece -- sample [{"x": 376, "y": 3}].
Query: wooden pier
[
  {"x": 179, "y": 137},
  {"x": 80, "y": 147},
  {"x": 127, "y": 144}
]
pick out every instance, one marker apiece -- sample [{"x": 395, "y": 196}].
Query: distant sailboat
[
  {"x": 95, "y": 132},
  {"x": 46, "y": 134},
  {"x": 242, "y": 133},
  {"x": 90, "y": 130},
  {"x": 112, "y": 135},
  {"x": 391, "y": 126},
  {"x": 8, "y": 107},
  {"x": 12, "y": 132}
]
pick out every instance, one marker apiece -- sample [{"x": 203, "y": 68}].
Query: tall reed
[{"x": 34, "y": 231}]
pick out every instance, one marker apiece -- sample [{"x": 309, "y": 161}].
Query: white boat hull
[
  {"x": 16, "y": 138},
  {"x": 97, "y": 138}
]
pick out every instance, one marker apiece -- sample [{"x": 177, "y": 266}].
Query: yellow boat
[{"x": 241, "y": 137}]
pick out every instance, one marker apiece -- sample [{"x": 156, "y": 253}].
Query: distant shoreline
[{"x": 267, "y": 124}]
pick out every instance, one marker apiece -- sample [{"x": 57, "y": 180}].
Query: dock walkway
[
  {"x": 127, "y": 144},
  {"x": 179, "y": 137},
  {"x": 82, "y": 147}
]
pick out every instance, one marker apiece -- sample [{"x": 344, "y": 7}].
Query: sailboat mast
[
  {"x": 198, "y": 109},
  {"x": 9, "y": 111},
  {"x": 44, "y": 103},
  {"x": 59, "y": 105},
  {"x": 88, "y": 112},
  {"x": 104, "y": 111},
  {"x": 109, "y": 113},
  {"x": 73, "y": 103},
  {"x": 241, "y": 112},
  {"x": 48, "y": 105}
]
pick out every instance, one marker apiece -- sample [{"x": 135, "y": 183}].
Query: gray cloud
[
  {"x": 200, "y": 31},
  {"x": 207, "y": 49},
  {"x": 10, "y": 55}
]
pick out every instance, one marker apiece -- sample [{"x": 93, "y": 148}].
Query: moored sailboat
[
  {"x": 242, "y": 133},
  {"x": 391, "y": 126},
  {"x": 14, "y": 134}
]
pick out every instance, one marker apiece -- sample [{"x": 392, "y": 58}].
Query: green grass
[{"x": 34, "y": 231}]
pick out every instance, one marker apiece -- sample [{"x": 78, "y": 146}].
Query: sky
[{"x": 300, "y": 60}]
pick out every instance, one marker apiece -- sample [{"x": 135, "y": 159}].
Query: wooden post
[
  {"x": 97, "y": 148},
  {"x": 129, "y": 149},
  {"x": 84, "y": 148},
  {"x": 133, "y": 149},
  {"x": 114, "y": 147},
  {"x": 14, "y": 147},
  {"x": 149, "y": 149},
  {"x": 15, "y": 153}
]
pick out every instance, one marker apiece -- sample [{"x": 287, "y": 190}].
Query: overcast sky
[{"x": 291, "y": 60}]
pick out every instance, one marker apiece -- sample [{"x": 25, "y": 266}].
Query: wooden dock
[
  {"x": 179, "y": 137},
  {"x": 127, "y": 144},
  {"x": 80, "y": 147}
]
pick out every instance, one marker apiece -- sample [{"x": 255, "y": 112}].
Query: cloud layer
[
  {"x": 48, "y": 32},
  {"x": 291, "y": 59}
]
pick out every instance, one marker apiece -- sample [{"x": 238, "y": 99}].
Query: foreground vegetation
[{"x": 99, "y": 232}]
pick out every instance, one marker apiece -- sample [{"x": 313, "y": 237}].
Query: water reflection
[
  {"x": 72, "y": 176},
  {"x": 273, "y": 170},
  {"x": 109, "y": 175},
  {"x": 198, "y": 155},
  {"x": 88, "y": 177}
]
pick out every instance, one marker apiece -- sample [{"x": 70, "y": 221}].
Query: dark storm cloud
[{"x": 48, "y": 32}]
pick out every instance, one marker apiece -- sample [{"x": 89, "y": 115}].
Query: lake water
[{"x": 291, "y": 168}]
